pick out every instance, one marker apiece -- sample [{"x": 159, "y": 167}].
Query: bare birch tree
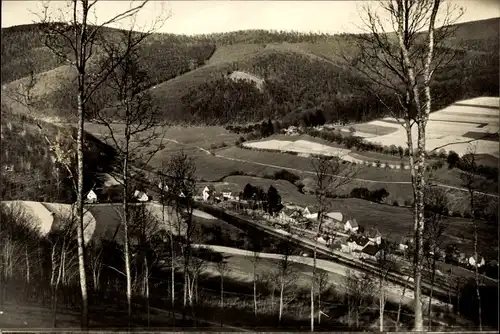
[
  {"x": 134, "y": 112},
  {"x": 436, "y": 201},
  {"x": 74, "y": 38},
  {"x": 473, "y": 183},
  {"x": 165, "y": 199},
  {"x": 183, "y": 186},
  {"x": 223, "y": 269},
  {"x": 401, "y": 64},
  {"x": 255, "y": 262},
  {"x": 330, "y": 176}
]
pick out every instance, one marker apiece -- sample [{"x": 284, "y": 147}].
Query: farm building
[
  {"x": 208, "y": 192},
  {"x": 351, "y": 225},
  {"x": 371, "y": 252},
  {"x": 163, "y": 187},
  {"x": 357, "y": 243},
  {"x": 141, "y": 196},
  {"x": 91, "y": 197},
  {"x": 374, "y": 236},
  {"x": 473, "y": 262}
]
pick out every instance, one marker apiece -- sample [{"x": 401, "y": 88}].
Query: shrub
[
  {"x": 395, "y": 203},
  {"x": 453, "y": 159},
  {"x": 377, "y": 163},
  {"x": 286, "y": 175},
  {"x": 407, "y": 202}
]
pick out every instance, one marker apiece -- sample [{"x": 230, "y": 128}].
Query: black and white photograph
[{"x": 249, "y": 166}]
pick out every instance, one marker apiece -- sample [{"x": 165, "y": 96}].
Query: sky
[{"x": 201, "y": 17}]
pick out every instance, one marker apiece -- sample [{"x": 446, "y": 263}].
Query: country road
[{"x": 337, "y": 269}]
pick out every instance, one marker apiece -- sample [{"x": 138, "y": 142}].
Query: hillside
[
  {"x": 29, "y": 169},
  {"x": 192, "y": 80}
]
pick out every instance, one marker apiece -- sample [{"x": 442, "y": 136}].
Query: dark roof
[
  {"x": 370, "y": 250},
  {"x": 360, "y": 240}
]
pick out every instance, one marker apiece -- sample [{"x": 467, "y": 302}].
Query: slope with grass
[{"x": 299, "y": 71}]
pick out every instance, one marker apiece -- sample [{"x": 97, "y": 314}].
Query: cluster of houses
[
  {"x": 335, "y": 224},
  {"x": 210, "y": 194},
  {"x": 112, "y": 195}
]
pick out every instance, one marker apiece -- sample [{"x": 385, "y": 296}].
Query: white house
[
  {"x": 310, "y": 213},
  {"x": 163, "y": 187},
  {"x": 91, "y": 197},
  {"x": 473, "y": 263},
  {"x": 208, "y": 192},
  {"x": 141, "y": 196},
  {"x": 226, "y": 195},
  {"x": 351, "y": 225}
]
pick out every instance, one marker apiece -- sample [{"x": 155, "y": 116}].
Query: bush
[
  {"x": 377, "y": 163},
  {"x": 453, "y": 159},
  {"x": 286, "y": 175},
  {"x": 395, "y": 203},
  {"x": 407, "y": 202}
]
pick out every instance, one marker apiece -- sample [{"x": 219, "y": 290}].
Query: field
[{"x": 452, "y": 127}]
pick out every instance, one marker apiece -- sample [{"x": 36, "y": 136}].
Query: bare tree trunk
[
  {"x": 79, "y": 206},
  {"x": 433, "y": 277},
  {"x": 282, "y": 288},
  {"x": 146, "y": 268},
  {"x": 312, "y": 287},
  {"x": 381, "y": 306},
  {"x": 125, "y": 229},
  {"x": 401, "y": 302},
  {"x": 476, "y": 267},
  {"x": 27, "y": 265}
]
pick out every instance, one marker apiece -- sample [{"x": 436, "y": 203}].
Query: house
[
  {"x": 351, "y": 225},
  {"x": 474, "y": 263},
  {"x": 291, "y": 130},
  {"x": 163, "y": 187},
  {"x": 374, "y": 236},
  {"x": 226, "y": 194},
  {"x": 403, "y": 247},
  {"x": 141, "y": 196},
  {"x": 357, "y": 243},
  {"x": 371, "y": 252},
  {"x": 310, "y": 213},
  {"x": 91, "y": 197},
  {"x": 208, "y": 192}
]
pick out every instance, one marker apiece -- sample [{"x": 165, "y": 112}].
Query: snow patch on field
[
  {"x": 45, "y": 216},
  {"x": 299, "y": 146},
  {"x": 448, "y": 126}
]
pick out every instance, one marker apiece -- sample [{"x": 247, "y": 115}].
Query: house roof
[
  {"x": 370, "y": 250},
  {"x": 360, "y": 240}
]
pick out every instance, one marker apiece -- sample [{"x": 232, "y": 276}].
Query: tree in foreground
[
  {"x": 474, "y": 185},
  {"x": 182, "y": 170},
  {"x": 399, "y": 67},
  {"x": 74, "y": 38},
  {"x": 330, "y": 176},
  {"x": 134, "y": 140}
]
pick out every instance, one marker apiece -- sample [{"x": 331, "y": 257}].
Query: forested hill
[{"x": 286, "y": 74}]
